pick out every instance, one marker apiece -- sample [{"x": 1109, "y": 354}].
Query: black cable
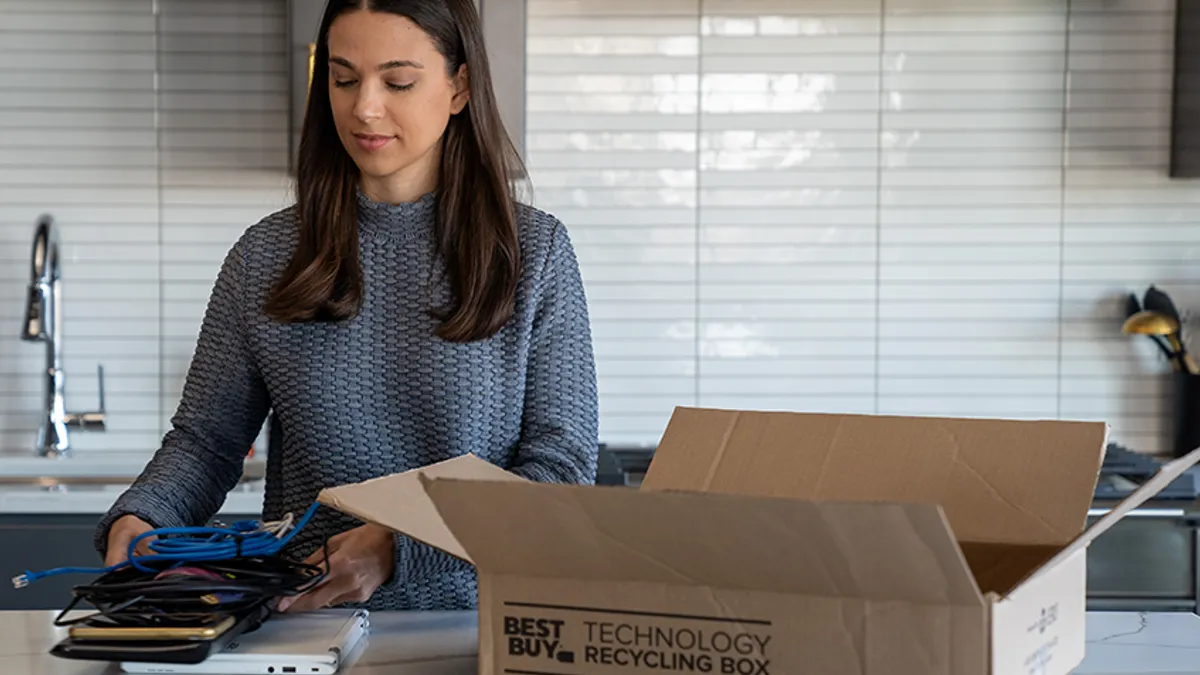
[{"x": 184, "y": 594}]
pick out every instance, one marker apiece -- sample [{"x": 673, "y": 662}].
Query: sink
[{"x": 100, "y": 469}]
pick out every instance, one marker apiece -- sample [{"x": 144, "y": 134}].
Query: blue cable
[{"x": 242, "y": 539}]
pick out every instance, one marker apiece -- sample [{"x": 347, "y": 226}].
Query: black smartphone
[{"x": 191, "y": 644}]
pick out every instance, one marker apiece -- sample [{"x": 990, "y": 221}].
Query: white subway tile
[
  {"x": 249, "y": 26},
  {"x": 812, "y": 365},
  {"x": 1110, "y": 18},
  {"x": 981, "y": 347},
  {"x": 801, "y": 47},
  {"x": 79, "y": 22},
  {"x": 92, "y": 158},
  {"x": 741, "y": 20},
  {"x": 1039, "y": 405},
  {"x": 595, "y": 45},
  {"x": 1153, "y": 62},
  {"x": 611, "y": 123},
  {"x": 769, "y": 177},
  {"x": 782, "y": 198},
  {"x": 946, "y": 20},
  {"x": 817, "y": 402},
  {"x": 1000, "y": 121},
  {"x": 1002, "y": 196},
  {"x": 607, "y": 350},
  {"x": 792, "y": 387},
  {"x": 769, "y": 299},
  {"x": 682, "y": 23},
  {"x": 968, "y": 103},
  {"x": 983, "y": 9},
  {"x": 984, "y": 141},
  {"x": 851, "y": 63},
  {"x": 968, "y": 61},
  {"x": 974, "y": 178},
  {"x": 1048, "y": 42},
  {"x": 659, "y": 65},
  {"x": 127, "y": 214},
  {"x": 1124, "y": 41},
  {"x": 78, "y": 99},
  {"x": 75, "y": 6},
  {"x": 1016, "y": 85},
  {"x": 775, "y": 216},
  {"x": 646, "y": 11},
  {"x": 796, "y": 274},
  {"x": 785, "y": 317},
  {"x": 786, "y": 7}
]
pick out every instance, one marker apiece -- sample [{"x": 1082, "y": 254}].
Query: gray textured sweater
[{"x": 377, "y": 394}]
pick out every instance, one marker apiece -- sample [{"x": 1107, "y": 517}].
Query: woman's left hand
[{"x": 360, "y": 560}]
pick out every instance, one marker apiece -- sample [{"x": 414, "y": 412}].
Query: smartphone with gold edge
[{"x": 208, "y": 630}]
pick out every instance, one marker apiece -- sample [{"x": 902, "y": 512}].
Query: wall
[
  {"x": 915, "y": 206},
  {"x": 154, "y": 132},
  {"x": 894, "y": 206}
]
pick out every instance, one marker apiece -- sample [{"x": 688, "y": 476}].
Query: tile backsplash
[
  {"x": 154, "y": 131},
  {"x": 895, "y": 206}
]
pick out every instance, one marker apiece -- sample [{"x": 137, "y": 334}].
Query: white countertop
[
  {"x": 412, "y": 643},
  {"x": 1142, "y": 643},
  {"x": 444, "y": 643}
]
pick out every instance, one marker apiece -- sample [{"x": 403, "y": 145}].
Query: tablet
[{"x": 312, "y": 643}]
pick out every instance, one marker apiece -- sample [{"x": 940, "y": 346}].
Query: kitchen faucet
[{"x": 43, "y": 323}]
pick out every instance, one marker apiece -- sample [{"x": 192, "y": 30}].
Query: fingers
[
  {"x": 116, "y": 553},
  {"x": 333, "y": 592},
  {"x": 344, "y": 582},
  {"x": 317, "y": 557},
  {"x": 118, "y": 547},
  {"x": 338, "y": 587},
  {"x": 123, "y": 531}
]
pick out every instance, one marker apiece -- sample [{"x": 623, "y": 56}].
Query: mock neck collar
[{"x": 397, "y": 221}]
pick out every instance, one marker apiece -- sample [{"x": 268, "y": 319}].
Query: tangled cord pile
[{"x": 191, "y": 573}]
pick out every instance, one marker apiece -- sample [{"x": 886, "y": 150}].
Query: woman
[{"x": 406, "y": 310}]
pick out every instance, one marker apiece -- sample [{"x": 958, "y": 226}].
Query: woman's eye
[
  {"x": 342, "y": 83},
  {"x": 400, "y": 87}
]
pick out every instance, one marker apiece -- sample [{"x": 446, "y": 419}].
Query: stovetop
[{"x": 1125, "y": 470}]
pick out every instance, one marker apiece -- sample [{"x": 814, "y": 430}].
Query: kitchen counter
[
  {"x": 444, "y": 643},
  {"x": 95, "y": 499},
  {"x": 418, "y": 643}
]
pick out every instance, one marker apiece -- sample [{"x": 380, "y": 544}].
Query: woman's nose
[{"x": 369, "y": 105}]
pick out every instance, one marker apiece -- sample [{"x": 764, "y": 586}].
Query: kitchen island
[{"x": 444, "y": 643}]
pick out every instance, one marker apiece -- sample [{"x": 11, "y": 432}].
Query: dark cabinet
[
  {"x": 44, "y": 541},
  {"x": 1146, "y": 562}
]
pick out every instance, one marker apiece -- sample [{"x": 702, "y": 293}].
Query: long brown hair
[{"x": 475, "y": 230}]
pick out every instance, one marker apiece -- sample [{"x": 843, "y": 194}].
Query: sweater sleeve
[
  {"x": 560, "y": 420},
  {"x": 223, "y": 406},
  {"x": 560, "y": 423}
]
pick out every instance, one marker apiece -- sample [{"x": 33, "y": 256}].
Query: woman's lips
[{"x": 372, "y": 142}]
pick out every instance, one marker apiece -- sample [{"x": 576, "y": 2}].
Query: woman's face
[{"x": 392, "y": 99}]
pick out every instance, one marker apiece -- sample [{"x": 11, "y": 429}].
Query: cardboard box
[{"x": 781, "y": 543}]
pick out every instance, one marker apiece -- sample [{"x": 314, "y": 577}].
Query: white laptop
[{"x": 313, "y": 643}]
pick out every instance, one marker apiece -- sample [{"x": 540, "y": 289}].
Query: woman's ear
[{"x": 462, "y": 90}]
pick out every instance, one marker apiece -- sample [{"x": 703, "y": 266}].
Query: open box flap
[
  {"x": 1003, "y": 481},
  {"x": 1169, "y": 472},
  {"x": 399, "y": 502},
  {"x": 897, "y": 552}
]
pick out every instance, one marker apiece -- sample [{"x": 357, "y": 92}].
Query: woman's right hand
[{"x": 123, "y": 531}]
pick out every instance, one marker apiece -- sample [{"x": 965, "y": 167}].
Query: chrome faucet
[{"x": 43, "y": 323}]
